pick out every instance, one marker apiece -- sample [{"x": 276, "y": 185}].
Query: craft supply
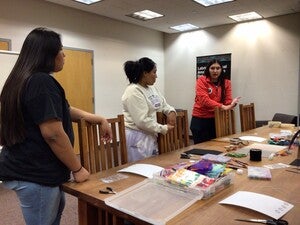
[
  {"x": 271, "y": 156},
  {"x": 260, "y": 173},
  {"x": 184, "y": 177},
  {"x": 107, "y": 190},
  {"x": 189, "y": 156},
  {"x": 202, "y": 167},
  {"x": 216, "y": 158},
  {"x": 232, "y": 166},
  {"x": 230, "y": 148},
  {"x": 270, "y": 221},
  {"x": 243, "y": 164},
  {"x": 216, "y": 170},
  {"x": 113, "y": 178},
  {"x": 239, "y": 171},
  {"x": 236, "y": 164},
  {"x": 238, "y": 141},
  {"x": 277, "y": 166},
  {"x": 255, "y": 154},
  {"x": 236, "y": 155}
]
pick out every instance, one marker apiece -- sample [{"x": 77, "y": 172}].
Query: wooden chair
[
  {"x": 95, "y": 155},
  {"x": 177, "y": 138},
  {"x": 247, "y": 117},
  {"x": 224, "y": 122},
  {"x": 285, "y": 118}
]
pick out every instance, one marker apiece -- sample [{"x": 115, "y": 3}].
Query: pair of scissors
[
  {"x": 185, "y": 155},
  {"x": 270, "y": 221},
  {"x": 107, "y": 190}
]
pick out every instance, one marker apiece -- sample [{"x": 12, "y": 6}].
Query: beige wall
[
  {"x": 113, "y": 43},
  {"x": 265, "y": 63},
  {"x": 265, "y": 54}
]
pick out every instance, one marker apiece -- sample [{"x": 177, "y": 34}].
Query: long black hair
[
  {"x": 38, "y": 54},
  {"x": 221, "y": 78},
  {"x": 134, "y": 70}
]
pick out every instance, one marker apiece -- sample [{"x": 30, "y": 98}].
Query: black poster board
[{"x": 202, "y": 61}]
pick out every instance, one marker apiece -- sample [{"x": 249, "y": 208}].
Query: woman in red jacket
[{"x": 212, "y": 90}]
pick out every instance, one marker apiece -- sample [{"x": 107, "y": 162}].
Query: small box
[{"x": 219, "y": 184}]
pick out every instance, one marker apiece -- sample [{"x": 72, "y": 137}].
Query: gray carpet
[{"x": 10, "y": 211}]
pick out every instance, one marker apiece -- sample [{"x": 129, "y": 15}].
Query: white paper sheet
[
  {"x": 265, "y": 204},
  {"x": 252, "y": 138},
  {"x": 266, "y": 149},
  {"x": 146, "y": 170}
]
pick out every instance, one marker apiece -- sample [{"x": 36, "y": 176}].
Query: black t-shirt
[{"x": 33, "y": 160}]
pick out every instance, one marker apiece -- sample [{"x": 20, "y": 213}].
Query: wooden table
[{"x": 284, "y": 185}]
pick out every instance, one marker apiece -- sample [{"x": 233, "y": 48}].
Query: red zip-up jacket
[{"x": 208, "y": 97}]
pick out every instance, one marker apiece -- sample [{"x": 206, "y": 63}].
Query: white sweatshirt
[{"x": 140, "y": 105}]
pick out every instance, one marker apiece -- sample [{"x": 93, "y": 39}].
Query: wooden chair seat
[
  {"x": 177, "y": 138},
  {"x": 224, "y": 122},
  {"x": 247, "y": 117}
]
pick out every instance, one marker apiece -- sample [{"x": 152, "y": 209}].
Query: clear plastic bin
[
  {"x": 153, "y": 201},
  {"x": 219, "y": 184}
]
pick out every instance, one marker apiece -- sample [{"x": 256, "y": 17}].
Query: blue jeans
[{"x": 41, "y": 205}]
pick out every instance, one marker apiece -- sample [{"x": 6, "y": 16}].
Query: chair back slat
[
  {"x": 97, "y": 155},
  {"x": 247, "y": 116},
  {"x": 224, "y": 122},
  {"x": 178, "y": 137}
]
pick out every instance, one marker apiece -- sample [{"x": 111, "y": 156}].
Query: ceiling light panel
[
  {"x": 212, "y": 2},
  {"x": 246, "y": 16},
  {"x": 145, "y": 15},
  {"x": 184, "y": 27},
  {"x": 88, "y": 2}
]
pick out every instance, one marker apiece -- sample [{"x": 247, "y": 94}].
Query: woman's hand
[
  {"x": 105, "y": 130},
  {"x": 171, "y": 118},
  {"x": 235, "y": 101},
  {"x": 77, "y": 114},
  {"x": 170, "y": 127},
  {"x": 81, "y": 175},
  {"x": 227, "y": 107}
]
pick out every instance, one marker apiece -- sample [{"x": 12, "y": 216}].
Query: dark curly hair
[{"x": 135, "y": 69}]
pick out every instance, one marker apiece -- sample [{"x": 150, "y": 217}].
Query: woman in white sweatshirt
[{"x": 141, "y": 100}]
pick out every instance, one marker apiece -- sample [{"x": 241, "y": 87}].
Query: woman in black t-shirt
[{"x": 36, "y": 130}]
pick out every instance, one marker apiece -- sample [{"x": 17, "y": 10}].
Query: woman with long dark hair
[
  {"x": 141, "y": 100},
  {"x": 212, "y": 90},
  {"x": 36, "y": 130}
]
